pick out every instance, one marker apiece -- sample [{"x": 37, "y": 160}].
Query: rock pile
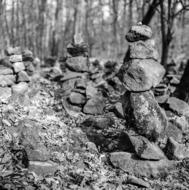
[
  {"x": 80, "y": 93},
  {"x": 140, "y": 73},
  {"x": 15, "y": 72}
]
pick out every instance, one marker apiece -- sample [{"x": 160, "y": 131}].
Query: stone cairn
[
  {"x": 15, "y": 72},
  {"x": 80, "y": 95},
  {"x": 140, "y": 73}
]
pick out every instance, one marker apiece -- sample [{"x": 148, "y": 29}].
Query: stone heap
[
  {"x": 80, "y": 93},
  {"x": 15, "y": 72},
  {"x": 140, "y": 73}
]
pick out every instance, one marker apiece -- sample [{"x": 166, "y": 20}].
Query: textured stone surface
[
  {"x": 140, "y": 168},
  {"x": 145, "y": 149},
  {"x": 77, "y": 98},
  {"x": 27, "y": 55},
  {"x": 7, "y": 80},
  {"x": 176, "y": 151},
  {"x": 141, "y": 75},
  {"x": 94, "y": 106},
  {"x": 143, "y": 50},
  {"x": 78, "y": 64},
  {"x": 23, "y": 77},
  {"x": 15, "y": 58},
  {"x": 144, "y": 114},
  {"x": 5, "y": 94},
  {"x": 18, "y": 66},
  {"x": 178, "y": 106},
  {"x": 139, "y": 32},
  {"x": 20, "y": 88},
  {"x": 5, "y": 70}
]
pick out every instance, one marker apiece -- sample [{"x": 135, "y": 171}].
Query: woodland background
[{"x": 47, "y": 26}]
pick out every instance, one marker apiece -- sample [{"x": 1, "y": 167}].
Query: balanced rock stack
[
  {"x": 140, "y": 73},
  {"x": 80, "y": 93},
  {"x": 15, "y": 72}
]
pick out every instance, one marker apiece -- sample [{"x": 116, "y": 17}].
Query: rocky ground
[{"x": 74, "y": 126}]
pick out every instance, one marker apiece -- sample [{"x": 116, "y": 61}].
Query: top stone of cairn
[{"x": 139, "y": 32}]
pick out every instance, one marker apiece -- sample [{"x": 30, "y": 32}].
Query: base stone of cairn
[
  {"x": 14, "y": 77},
  {"x": 139, "y": 74}
]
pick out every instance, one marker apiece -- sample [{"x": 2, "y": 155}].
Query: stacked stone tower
[{"x": 140, "y": 73}]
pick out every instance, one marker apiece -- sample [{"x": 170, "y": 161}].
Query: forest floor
[{"x": 76, "y": 162}]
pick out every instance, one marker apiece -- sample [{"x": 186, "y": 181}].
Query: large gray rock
[
  {"x": 20, "y": 88},
  {"x": 145, "y": 149},
  {"x": 5, "y": 94},
  {"x": 176, "y": 151},
  {"x": 18, "y": 66},
  {"x": 141, "y": 75},
  {"x": 144, "y": 114},
  {"x": 178, "y": 106},
  {"x": 7, "y": 80},
  {"x": 13, "y": 51},
  {"x": 15, "y": 58},
  {"x": 139, "y": 32},
  {"x": 94, "y": 106},
  {"x": 23, "y": 77},
  {"x": 78, "y": 64},
  {"x": 5, "y": 70},
  {"x": 77, "y": 98},
  {"x": 141, "y": 168},
  {"x": 27, "y": 55},
  {"x": 143, "y": 50}
]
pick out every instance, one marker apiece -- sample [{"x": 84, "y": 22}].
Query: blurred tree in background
[{"x": 46, "y": 26}]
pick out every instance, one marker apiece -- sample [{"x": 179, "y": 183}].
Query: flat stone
[
  {"x": 139, "y": 32},
  {"x": 20, "y": 88},
  {"x": 137, "y": 181},
  {"x": 5, "y": 70},
  {"x": 77, "y": 98},
  {"x": 5, "y": 94},
  {"x": 143, "y": 50},
  {"x": 144, "y": 114},
  {"x": 78, "y": 64},
  {"x": 43, "y": 168},
  {"x": 129, "y": 163},
  {"x": 15, "y": 58},
  {"x": 178, "y": 106},
  {"x": 23, "y": 77},
  {"x": 81, "y": 84},
  {"x": 141, "y": 75},
  {"x": 18, "y": 66},
  {"x": 13, "y": 51},
  {"x": 94, "y": 106},
  {"x": 176, "y": 151},
  {"x": 27, "y": 55},
  {"x": 7, "y": 80},
  {"x": 145, "y": 149}
]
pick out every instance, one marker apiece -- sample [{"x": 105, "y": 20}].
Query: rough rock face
[
  {"x": 139, "y": 32},
  {"x": 140, "y": 168},
  {"x": 144, "y": 114},
  {"x": 141, "y": 75}
]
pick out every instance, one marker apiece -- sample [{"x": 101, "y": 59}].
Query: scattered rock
[
  {"x": 77, "y": 98},
  {"x": 144, "y": 114},
  {"x": 176, "y": 151},
  {"x": 94, "y": 106},
  {"x": 178, "y": 106},
  {"x": 20, "y": 88},
  {"x": 139, "y": 32},
  {"x": 78, "y": 64},
  {"x": 145, "y": 149},
  {"x": 7, "y": 80},
  {"x": 43, "y": 168},
  {"x": 141, "y": 75},
  {"x": 23, "y": 77},
  {"x": 5, "y": 94},
  {"x": 143, "y": 50},
  {"x": 5, "y": 70},
  {"x": 15, "y": 58},
  {"x": 18, "y": 66},
  {"x": 137, "y": 181},
  {"x": 141, "y": 168}
]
